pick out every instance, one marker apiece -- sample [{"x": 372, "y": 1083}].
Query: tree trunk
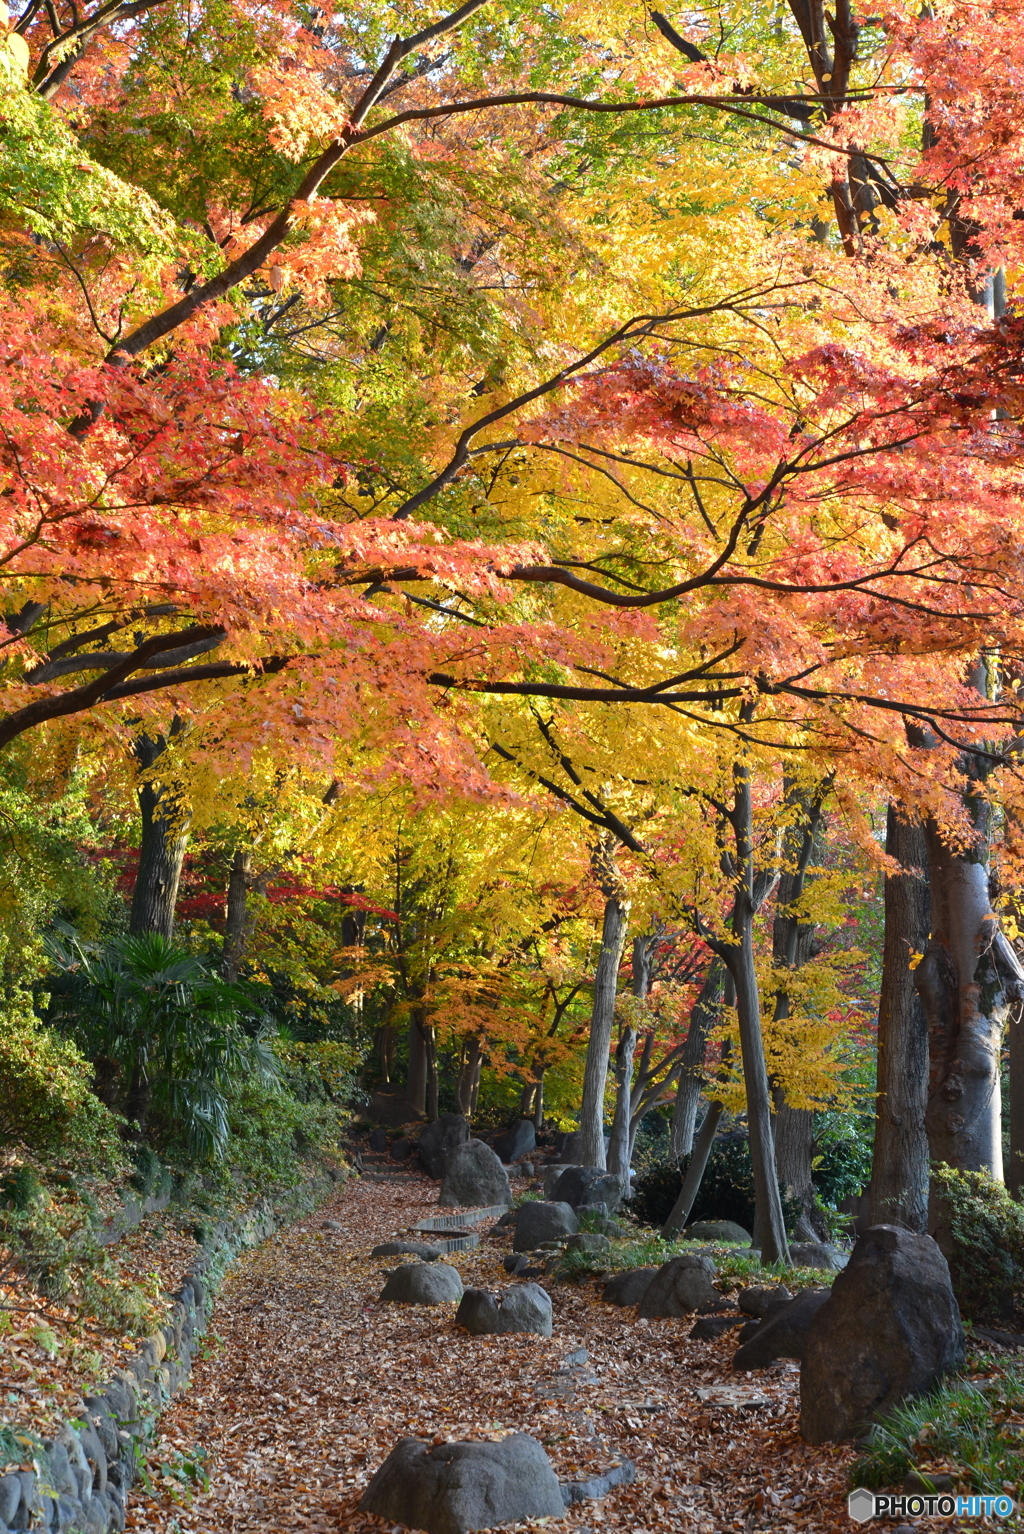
[
  {"x": 386, "y": 1052},
  {"x": 619, "y": 1144},
  {"x": 1015, "y": 1166},
  {"x": 538, "y": 1104},
  {"x": 738, "y": 956},
  {"x": 595, "y": 1072},
  {"x": 469, "y": 1075},
  {"x": 236, "y": 924},
  {"x": 793, "y": 945},
  {"x": 965, "y": 1004},
  {"x": 430, "y": 1053},
  {"x": 694, "y": 1174},
  {"x": 416, "y": 1081},
  {"x": 899, "y": 1163},
  {"x": 703, "y": 1018},
  {"x": 165, "y": 826}
]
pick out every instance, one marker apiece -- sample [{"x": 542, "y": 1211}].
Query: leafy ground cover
[
  {"x": 53, "y": 1353},
  {"x": 308, "y": 1382}
]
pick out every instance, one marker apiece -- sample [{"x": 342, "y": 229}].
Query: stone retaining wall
[{"x": 84, "y": 1473}]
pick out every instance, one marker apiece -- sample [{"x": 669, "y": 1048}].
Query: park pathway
[{"x": 306, "y": 1383}]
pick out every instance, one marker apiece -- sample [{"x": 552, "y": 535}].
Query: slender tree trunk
[
  {"x": 416, "y": 1081},
  {"x": 538, "y": 1103},
  {"x": 899, "y": 1163},
  {"x": 694, "y": 1174},
  {"x": 602, "y": 1017},
  {"x": 618, "y": 1145},
  {"x": 738, "y": 956},
  {"x": 793, "y": 945},
  {"x": 165, "y": 826},
  {"x": 386, "y": 1052},
  {"x": 236, "y": 924},
  {"x": 469, "y": 1075},
  {"x": 703, "y": 1018},
  {"x": 432, "y": 1082}
]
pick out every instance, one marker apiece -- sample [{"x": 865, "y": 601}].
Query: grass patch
[
  {"x": 735, "y": 1268},
  {"x": 971, "y": 1429}
]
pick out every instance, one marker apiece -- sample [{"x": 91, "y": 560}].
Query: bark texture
[
  {"x": 595, "y": 1073},
  {"x": 165, "y": 827},
  {"x": 899, "y": 1166}
]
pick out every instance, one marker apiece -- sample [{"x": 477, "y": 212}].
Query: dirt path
[{"x": 308, "y": 1383}]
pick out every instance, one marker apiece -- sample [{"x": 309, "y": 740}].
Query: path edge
[{"x": 83, "y": 1474}]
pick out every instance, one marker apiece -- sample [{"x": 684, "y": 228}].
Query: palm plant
[{"x": 164, "y": 1032}]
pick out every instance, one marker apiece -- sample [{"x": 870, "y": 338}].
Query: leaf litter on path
[{"x": 306, "y": 1383}]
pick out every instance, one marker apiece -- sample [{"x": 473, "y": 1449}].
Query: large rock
[
  {"x": 440, "y": 1137},
  {"x": 423, "y": 1283},
  {"x": 717, "y": 1230},
  {"x": 680, "y": 1286},
  {"x": 538, "y": 1222},
  {"x": 628, "y": 1287},
  {"x": 783, "y": 1332},
  {"x": 551, "y": 1174},
  {"x": 583, "y": 1187},
  {"x": 517, "y": 1141},
  {"x": 474, "y": 1178},
  {"x": 454, "y": 1487},
  {"x": 890, "y": 1330},
  {"x": 525, "y": 1308}
]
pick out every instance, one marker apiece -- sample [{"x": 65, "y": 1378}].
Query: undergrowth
[{"x": 969, "y": 1428}]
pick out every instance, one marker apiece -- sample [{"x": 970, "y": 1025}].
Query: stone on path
[
  {"x": 378, "y": 1140},
  {"x": 628, "y": 1287},
  {"x": 438, "y": 1138},
  {"x": 411, "y": 1248},
  {"x": 550, "y": 1175},
  {"x": 890, "y": 1330},
  {"x": 473, "y": 1176},
  {"x": 524, "y": 1308},
  {"x": 421, "y": 1283},
  {"x": 710, "y": 1327},
  {"x": 717, "y": 1230},
  {"x": 454, "y": 1487},
  {"x": 516, "y": 1141},
  {"x": 585, "y": 1186},
  {"x": 758, "y": 1299},
  {"x": 679, "y": 1287},
  {"x": 783, "y": 1332},
  {"x": 538, "y": 1221}
]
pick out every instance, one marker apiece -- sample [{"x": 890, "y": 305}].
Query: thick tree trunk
[
  {"x": 602, "y": 1017},
  {"x": 416, "y": 1081},
  {"x": 538, "y": 1103},
  {"x": 236, "y": 923},
  {"x": 899, "y": 1164},
  {"x": 965, "y": 1004},
  {"x": 165, "y": 826},
  {"x": 1015, "y": 1165},
  {"x": 619, "y": 1144},
  {"x": 794, "y": 1153},
  {"x": 432, "y": 1082},
  {"x": 703, "y": 1018}
]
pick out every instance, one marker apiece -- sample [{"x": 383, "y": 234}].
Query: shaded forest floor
[{"x": 305, "y": 1383}]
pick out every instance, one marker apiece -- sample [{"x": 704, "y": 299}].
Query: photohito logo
[{"x": 863, "y": 1504}]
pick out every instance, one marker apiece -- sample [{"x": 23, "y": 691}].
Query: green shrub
[
  {"x": 319, "y": 1072},
  {"x": 726, "y": 1190},
  {"x": 984, "y": 1241},
  {"x": 46, "y": 1101},
  {"x": 962, "y": 1424}
]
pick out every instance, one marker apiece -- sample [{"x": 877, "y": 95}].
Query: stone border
[{"x": 83, "y": 1474}]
